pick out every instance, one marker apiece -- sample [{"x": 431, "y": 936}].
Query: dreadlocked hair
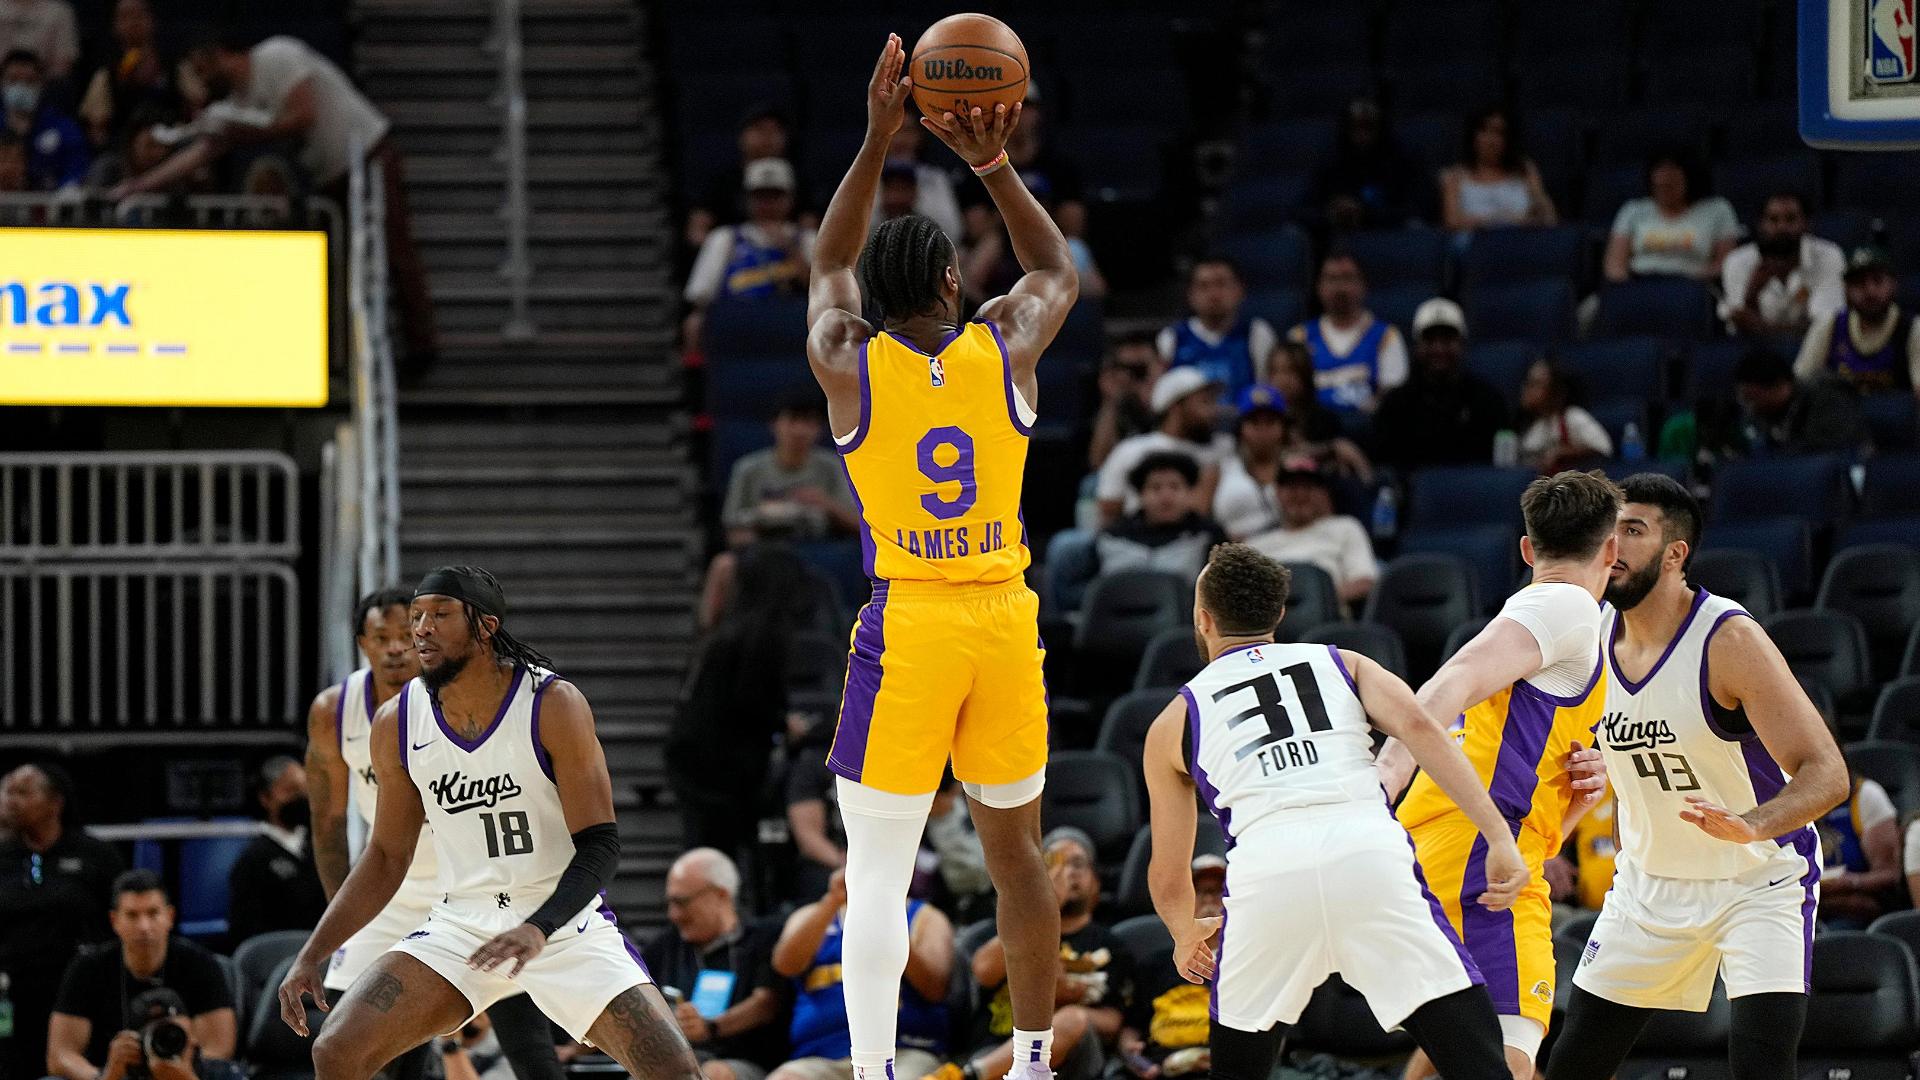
[
  {"x": 900, "y": 266},
  {"x": 505, "y": 646}
]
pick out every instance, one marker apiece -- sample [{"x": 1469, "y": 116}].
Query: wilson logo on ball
[{"x": 934, "y": 70}]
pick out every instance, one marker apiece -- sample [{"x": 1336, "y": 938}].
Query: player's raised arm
[
  {"x": 1030, "y": 314},
  {"x": 833, "y": 297},
  {"x": 1173, "y": 815},
  {"x": 327, "y": 790},
  {"x": 1502, "y": 653},
  {"x": 1744, "y": 666},
  {"x": 1392, "y": 708}
]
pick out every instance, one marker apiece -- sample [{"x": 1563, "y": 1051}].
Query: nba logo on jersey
[
  {"x": 936, "y": 371},
  {"x": 1253, "y": 656},
  {"x": 1890, "y": 41}
]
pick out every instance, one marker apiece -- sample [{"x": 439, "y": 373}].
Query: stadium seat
[
  {"x": 756, "y": 326},
  {"x": 1462, "y": 634},
  {"x": 1282, "y": 308},
  {"x": 1171, "y": 660},
  {"x": 1338, "y": 1021},
  {"x": 1082, "y": 337},
  {"x": 1890, "y": 419},
  {"x": 271, "y": 1047},
  {"x": 1632, "y": 367},
  {"x": 1380, "y": 644},
  {"x": 1121, "y": 613},
  {"x": 253, "y": 962},
  {"x": 1415, "y": 32},
  {"x": 1453, "y": 495},
  {"x": 1389, "y": 257},
  {"x": 1880, "y": 585},
  {"x": 1121, "y": 162},
  {"x": 1630, "y": 136},
  {"x": 1431, "y": 137},
  {"x": 1894, "y": 765},
  {"x": 1830, "y": 648},
  {"x": 1614, "y": 414},
  {"x": 1132, "y": 896},
  {"x": 1094, "y": 791},
  {"x": 840, "y": 562},
  {"x": 1910, "y": 663},
  {"x": 1071, "y": 566},
  {"x": 1861, "y": 1014},
  {"x": 1672, "y": 308},
  {"x": 1902, "y": 926},
  {"x": 1501, "y": 256},
  {"x": 1397, "y": 303},
  {"x": 204, "y": 865},
  {"x": 1569, "y": 34},
  {"x": 1270, "y": 259},
  {"x": 1266, "y": 202},
  {"x": 1538, "y": 311},
  {"x": 1896, "y": 713},
  {"x": 1146, "y": 940},
  {"x": 1597, "y": 83},
  {"x": 1492, "y": 552},
  {"x": 1503, "y": 364},
  {"x": 1710, "y": 366},
  {"x": 1423, "y": 597},
  {"x": 1313, "y": 599},
  {"x": 1750, "y": 490},
  {"x": 1758, "y": 130},
  {"x": 1868, "y": 181},
  {"x": 1457, "y": 85},
  {"x": 1748, "y": 578},
  {"x": 1124, "y": 730},
  {"x": 1713, "y": 75},
  {"x": 1898, "y": 531},
  {"x": 1748, "y": 182},
  {"x": 1786, "y": 542},
  {"x": 1294, "y": 142},
  {"x": 1317, "y": 88}
]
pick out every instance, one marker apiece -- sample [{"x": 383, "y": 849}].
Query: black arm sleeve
[{"x": 596, "y": 852}]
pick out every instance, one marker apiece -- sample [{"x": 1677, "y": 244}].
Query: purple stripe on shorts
[
  {"x": 1516, "y": 769},
  {"x": 864, "y": 670},
  {"x": 1440, "y": 915},
  {"x": 1807, "y": 842},
  {"x": 1488, "y": 935},
  {"x": 607, "y": 913}
]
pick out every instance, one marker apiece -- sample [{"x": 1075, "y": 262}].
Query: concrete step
[
  {"x": 545, "y": 229},
  {"x": 520, "y": 490},
  {"x": 530, "y": 433},
  {"x": 542, "y": 114},
  {"x": 652, "y": 630},
  {"x": 465, "y": 57},
  {"x": 486, "y": 310},
  {"x": 470, "y": 170},
  {"x": 414, "y": 139},
  {"x": 480, "y": 256},
  {"x": 481, "y": 86},
  {"x": 659, "y": 555},
  {"x": 625, "y": 343}
]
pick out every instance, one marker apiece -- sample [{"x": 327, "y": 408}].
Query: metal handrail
[
  {"x": 150, "y": 504},
  {"x": 517, "y": 270}
]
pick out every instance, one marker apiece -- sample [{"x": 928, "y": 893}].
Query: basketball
[{"x": 965, "y": 62}]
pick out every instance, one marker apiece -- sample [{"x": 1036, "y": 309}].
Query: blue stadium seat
[
  {"x": 1747, "y": 182},
  {"x": 1283, "y": 308},
  {"x": 1890, "y": 530},
  {"x": 204, "y": 864},
  {"x": 1500, "y": 256},
  {"x": 1297, "y": 142},
  {"x": 763, "y": 326},
  {"x": 1411, "y": 257},
  {"x": 1433, "y": 138},
  {"x": 1681, "y": 26},
  {"x": 753, "y": 387},
  {"x": 731, "y": 439},
  {"x": 1891, "y": 487},
  {"x": 1614, "y": 413},
  {"x": 1861, "y": 1013},
  {"x": 1378, "y": 643},
  {"x": 1265, "y": 202},
  {"x": 1125, "y": 163},
  {"x": 1070, "y": 567},
  {"x": 1607, "y": 188},
  {"x": 1416, "y": 32},
  {"x": 1155, "y": 97},
  {"x": 1538, "y": 311},
  {"x": 1751, "y": 490},
  {"x": 1317, "y": 89},
  {"x": 1083, "y": 337},
  {"x": 1630, "y": 136},
  {"x": 840, "y": 562},
  {"x": 1619, "y": 367},
  {"x": 1556, "y": 141},
  {"x": 1890, "y": 417},
  {"x": 1397, "y": 303},
  {"x": 1271, "y": 259},
  {"x": 1455, "y": 495},
  {"x": 1748, "y": 578},
  {"x": 1760, "y": 130},
  {"x": 1502, "y": 363},
  {"x": 1461, "y": 85},
  {"x": 1869, "y": 181},
  {"x": 1598, "y": 82},
  {"x": 1718, "y": 75},
  {"x": 1423, "y": 597},
  {"x": 1710, "y": 366},
  {"x": 1785, "y": 541},
  {"x": 1492, "y": 552},
  {"x": 1673, "y": 308},
  {"x": 1569, "y": 33}
]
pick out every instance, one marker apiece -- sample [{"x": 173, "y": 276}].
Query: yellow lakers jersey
[
  {"x": 937, "y": 460},
  {"x": 1517, "y": 741}
]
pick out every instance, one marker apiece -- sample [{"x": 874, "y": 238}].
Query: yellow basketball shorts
[
  {"x": 1513, "y": 948},
  {"x": 937, "y": 671}
]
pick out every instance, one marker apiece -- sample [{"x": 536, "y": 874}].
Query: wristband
[{"x": 999, "y": 160}]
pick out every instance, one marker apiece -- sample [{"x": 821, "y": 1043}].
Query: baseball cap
[
  {"x": 1260, "y": 398},
  {"x": 1301, "y": 470},
  {"x": 768, "y": 174},
  {"x": 1439, "y": 311},
  {"x": 1068, "y": 834},
  {"x": 1868, "y": 257},
  {"x": 1207, "y": 863},
  {"x": 1178, "y": 383}
]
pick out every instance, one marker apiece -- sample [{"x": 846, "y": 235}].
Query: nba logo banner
[
  {"x": 936, "y": 371},
  {"x": 1890, "y": 56}
]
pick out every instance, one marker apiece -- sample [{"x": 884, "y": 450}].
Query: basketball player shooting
[
  {"x": 499, "y": 756},
  {"x": 1320, "y": 878},
  {"x": 932, "y": 415},
  {"x": 1720, "y": 765}
]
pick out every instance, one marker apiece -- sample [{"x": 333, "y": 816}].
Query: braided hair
[
  {"x": 505, "y": 646},
  {"x": 901, "y": 264}
]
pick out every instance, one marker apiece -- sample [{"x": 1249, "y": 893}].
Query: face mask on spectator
[{"x": 21, "y": 97}]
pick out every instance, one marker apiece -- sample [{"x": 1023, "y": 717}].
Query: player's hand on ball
[
  {"x": 303, "y": 980},
  {"x": 979, "y": 136},
  {"x": 888, "y": 92},
  {"x": 1506, "y": 876},
  {"x": 1587, "y": 770},
  {"x": 1718, "y": 821},
  {"x": 520, "y": 944},
  {"x": 1192, "y": 951}
]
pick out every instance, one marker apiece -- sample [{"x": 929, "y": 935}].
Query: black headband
[{"x": 465, "y": 583}]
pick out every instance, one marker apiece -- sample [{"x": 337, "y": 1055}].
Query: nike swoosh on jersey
[
  {"x": 356, "y": 738},
  {"x": 1771, "y": 884},
  {"x": 424, "y": 745},
  {"x": 582, "y": 928}
]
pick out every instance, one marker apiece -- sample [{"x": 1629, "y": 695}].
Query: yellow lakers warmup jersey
[{"x": 937, "y": 460}]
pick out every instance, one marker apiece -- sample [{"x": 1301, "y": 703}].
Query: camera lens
[{"x": 165, "y": 1039}]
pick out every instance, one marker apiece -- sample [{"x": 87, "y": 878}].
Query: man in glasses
[
  {"x": 55, "y": 887},
  {"x": 717, "y": 970}
]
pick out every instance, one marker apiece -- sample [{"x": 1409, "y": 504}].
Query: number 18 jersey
[{"x": 937, "y": 460}]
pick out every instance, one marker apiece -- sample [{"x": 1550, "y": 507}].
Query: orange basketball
[{"x": 968, "y": 61}]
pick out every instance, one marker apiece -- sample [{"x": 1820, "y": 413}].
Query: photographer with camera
[{"x": 151, "y": 1006}]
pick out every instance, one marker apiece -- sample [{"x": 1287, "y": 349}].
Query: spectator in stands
[
  {"x": 1314, "y": 429},
  {"x": 1356, "y": 355},
  {"x": 95, "y": 1030},
  {"x": 1679, "y": 229},
  {"x": 1095, "y": 986},
  {"x": 13, "y": 162},
  {"x": 1560, "y": 434},
  {"x": 763, "y": 134},
  {"x": 1218, "y": 337},
  {"x": 952, "y": 868},
  {"x": 1785, "y": 275},
  {"x": 56, "y": 884},
  {"x": 729, "y": 1003},
  {"x": 1368, "y": 184},
  {"x": 813, "y": 817},
  {"x": 1247, "y": 502},
  {"x": 1167, "y": 532},
  {"x": 767, "y": 255},
  {"x": 1495, "y": 182},
  {"x": 1186, "y": 401},
  {"x": 274, "y": 885},
  {"x": 1781, "y": 416},
  {"x": 1593, "y": 851},
  {"x": 1871, "y": 343},
  {"x": 1167, "y": 1030},
  {"x": 57, "y": 153},
  {"x": 912, "y": 186},
  {"x": 1131, "y": 365},
  {"x": 988, "y": 265},
  {"x": 281, "y": 90},
  {"x": 795, "y": 487},
  {"x": 1310, "y": 532},
  {"x": 809, "y": 953},
  {"x": 45, "y": 28},
  {"x": 1048, "y": 175},
  {"x": 1860, "y": 874},
  {"x": 136, "y": 76},
  {"x": 1443, "y": 414}
]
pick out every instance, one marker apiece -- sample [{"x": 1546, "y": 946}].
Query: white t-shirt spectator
[
  {"x": 1813, "y": 288},
  {"x": 760, "y": 478},
  {"x": 1242, "y": 505},
  {"x": 1336, "y": 543},
  {"x": 1680, "y": 245},
  {"x": 1872, "y": 807},
  {"x": 1111, "y": 483},
  {"x": 1564, "y": 620},
  {"x": 342, "y": 115},
  {"x": 45, "y": 28},
  {"x": 709, "y": 277},
  {"x": 1575, "y": 430}
]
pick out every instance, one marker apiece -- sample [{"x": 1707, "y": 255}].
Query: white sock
[
  {"x": 883, "y": 840},
  {"x": 1032, "y": 1050}
]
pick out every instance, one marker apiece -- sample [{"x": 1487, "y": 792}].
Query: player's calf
[{"x": 636, "y": 1030}]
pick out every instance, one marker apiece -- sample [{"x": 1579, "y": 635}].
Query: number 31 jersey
[
  {"x": 1273, "y": 727},
  {"x": 1665, "y": 739},
  {"x": 937, "y": 460},
  {"x": 498, "y": 827}
]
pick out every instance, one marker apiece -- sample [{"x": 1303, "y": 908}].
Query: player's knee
[
  {"x": 716, "y": 1070},
  {"x": 339, "y": 1056}
]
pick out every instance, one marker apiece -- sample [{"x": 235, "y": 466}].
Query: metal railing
[
  {"x": 211, "y": 504},
  {"x": 515, "y": 211}
]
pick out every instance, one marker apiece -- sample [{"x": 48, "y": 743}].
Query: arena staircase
[{"x": 554, "y": 459}]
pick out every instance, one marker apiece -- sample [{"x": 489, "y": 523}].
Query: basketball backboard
[{"x": 1859, "y": 74}]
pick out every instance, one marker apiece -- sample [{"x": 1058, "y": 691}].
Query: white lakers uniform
[
  {"x": 1684, "y": 904},
  {"x": 502, "y": 842},
  {"x": 1320, "y": 877}
]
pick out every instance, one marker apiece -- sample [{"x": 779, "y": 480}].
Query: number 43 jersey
[
  {"x": 498, "y": 827},
  {"x": 1272, "y": 727},
  {"x": 1665, "y": 739}
]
